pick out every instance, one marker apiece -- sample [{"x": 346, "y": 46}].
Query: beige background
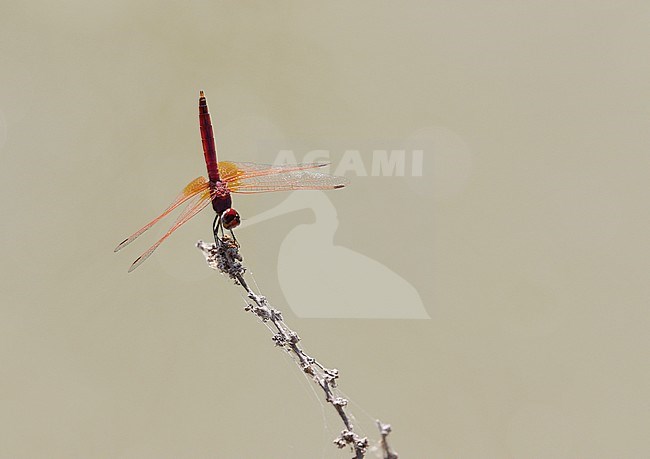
[{"x": 527, "y": 237}]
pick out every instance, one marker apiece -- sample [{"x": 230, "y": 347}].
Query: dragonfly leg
[
  {"x": 216, "y": 224},
  {"x": 234, "y": 238}
]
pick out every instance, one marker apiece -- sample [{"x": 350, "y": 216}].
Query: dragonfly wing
[
  {"x": 259, "y": 178},
  {"x": 192, "y": 189},
  {"x": 196, "y": 205},
  {"x": 230, "y": 171}
]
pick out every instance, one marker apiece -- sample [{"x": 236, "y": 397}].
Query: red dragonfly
[{"x": 229, "y": 177}]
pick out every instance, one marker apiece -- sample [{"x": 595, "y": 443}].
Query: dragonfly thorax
[{"x": 220, "y": 194}]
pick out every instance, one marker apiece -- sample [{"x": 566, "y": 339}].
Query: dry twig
[{"x": 224, "y": 256}]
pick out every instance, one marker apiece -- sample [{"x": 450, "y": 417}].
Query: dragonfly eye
[{"x": 230, "y": 219}]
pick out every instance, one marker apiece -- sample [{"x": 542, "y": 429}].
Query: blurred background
[{"x": 523, "y": 243}]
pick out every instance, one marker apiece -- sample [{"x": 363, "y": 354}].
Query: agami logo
[{"x": 383, "y": 163}]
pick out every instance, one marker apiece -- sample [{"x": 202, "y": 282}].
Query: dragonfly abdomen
[{"x": 207, "y": 139}]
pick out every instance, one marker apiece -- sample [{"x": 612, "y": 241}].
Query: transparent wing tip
[
  {"x": 343, "y": 182},
  {"x": 141, "y": 259},
  {"x": 136, "y": 263}
]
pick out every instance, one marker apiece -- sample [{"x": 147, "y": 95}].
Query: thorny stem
[{"x": 224, "y": 257}]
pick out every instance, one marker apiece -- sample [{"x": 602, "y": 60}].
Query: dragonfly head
[{"x": 230, "y": 218}]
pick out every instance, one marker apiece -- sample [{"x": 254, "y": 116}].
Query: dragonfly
[{"x": 224, "y": 178}]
